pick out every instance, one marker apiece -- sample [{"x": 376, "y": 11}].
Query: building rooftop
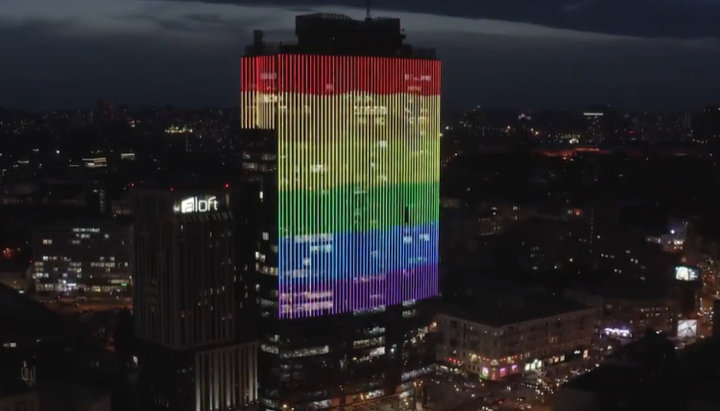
[
  {"x": 338, "y": 34},
  {"x": 624, "y": 289},
  {"x": 507, "y": 310}
]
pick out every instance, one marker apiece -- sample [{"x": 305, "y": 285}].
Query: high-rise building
[
  {"x": 347, "y": 260},
  {"x": 191, "y": 314}
]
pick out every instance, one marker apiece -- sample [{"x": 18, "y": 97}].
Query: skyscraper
[
  {"x": 349, "y": 253},
  {"x": 198, "y": 349}
]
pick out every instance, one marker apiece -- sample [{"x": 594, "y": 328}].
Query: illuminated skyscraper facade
[
  {"x": 350, "y": 247},
  {"x": 358, "y": 177}
]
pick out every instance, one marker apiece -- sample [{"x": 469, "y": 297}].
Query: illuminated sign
[
  {"x": 686, "y": 329},
  {"x": 618, "y": 332},
  {"x": 95, "y": 162},
  {"x": 533, "y": 365},
  {"x": 685, "y": 273},
  {"x": 196, "y": 205}
]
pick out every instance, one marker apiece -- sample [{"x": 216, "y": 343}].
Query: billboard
[
  {"x": 358, "y": 177},
  {"x": 687, "y": 273},
  {"x": 617, "y": 332},
  {"x": 687, "y": 329}
]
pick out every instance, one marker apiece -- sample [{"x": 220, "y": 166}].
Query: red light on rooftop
[
  {"x": 227, "y": 185},
  {"x": 172, "y": 188}
]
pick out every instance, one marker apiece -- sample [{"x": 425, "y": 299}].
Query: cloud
[
  {"x": 213, "y": 21},
  {"x": 641, "y": 18},
  {"x": 177, "y": 18},
  {"x": 187, "y": 53}
]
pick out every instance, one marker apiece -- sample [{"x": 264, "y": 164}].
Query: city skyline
[
  {"x": 267, "y": 209},
  {"x": 189, "y": 54}
]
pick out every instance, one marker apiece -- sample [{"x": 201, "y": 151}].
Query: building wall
[
  {"x": 226, "y": 378},
  {"x": 219, "y": 378},
  {"x": 346, "y": 360}
]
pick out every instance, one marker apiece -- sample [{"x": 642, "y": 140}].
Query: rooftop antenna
[{"x": 367, "y": 10}]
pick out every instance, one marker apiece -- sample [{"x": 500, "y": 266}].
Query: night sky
[{"x": 654, "y": 54}]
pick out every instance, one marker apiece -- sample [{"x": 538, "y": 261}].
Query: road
[
  {"x": 449, "y": 395},
  {"x": 88, "y": 306}
]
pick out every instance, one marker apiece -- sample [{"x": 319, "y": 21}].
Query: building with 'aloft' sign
[{"x": 192, "y": 304}]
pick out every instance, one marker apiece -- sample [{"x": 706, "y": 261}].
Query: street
[{"x": 456, "y": 394}]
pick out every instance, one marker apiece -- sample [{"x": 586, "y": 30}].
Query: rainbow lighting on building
[{"x": 358, "y": 144}]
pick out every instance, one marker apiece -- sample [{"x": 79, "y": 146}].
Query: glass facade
[{"x": 358, "y": 143}]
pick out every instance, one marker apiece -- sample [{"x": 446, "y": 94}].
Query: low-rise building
[
  {"x": 628, "y": 311},
  {"x": 494, "y": 340},
  {"x": 83, "y": 258}
]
